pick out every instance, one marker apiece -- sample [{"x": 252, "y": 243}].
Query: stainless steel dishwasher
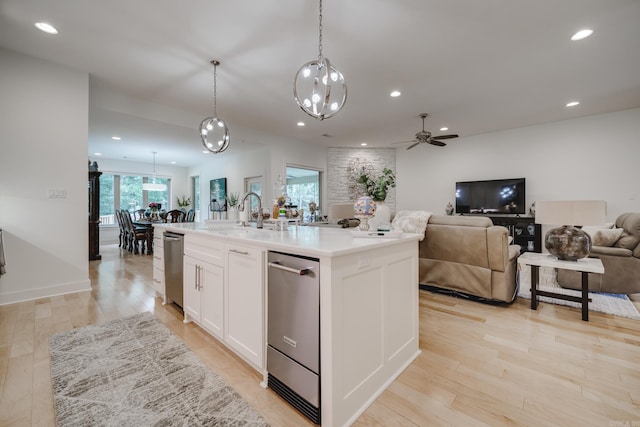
[
  {"x": 293, "y": 331},
  {"x": 173, "y": 253}
]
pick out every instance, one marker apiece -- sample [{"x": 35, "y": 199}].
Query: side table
[{"x": 584, "y": 265}]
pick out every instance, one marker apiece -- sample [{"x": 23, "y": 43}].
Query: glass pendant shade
[
  {"x": 153, "y": 186},
  {"x": 215, "y": 134},
  {"x": 319, "y": 89}
]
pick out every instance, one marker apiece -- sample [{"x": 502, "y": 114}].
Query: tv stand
[{"x": 523, "y": 229}]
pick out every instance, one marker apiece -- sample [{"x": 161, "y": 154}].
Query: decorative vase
[
  {"x": 382, "y": 219},
  {"x": 232, "y": 213},
  {"x": 449, "y": 209},
  {"x": 364, "y": 208},
  {"x": 567, "y": 243}
]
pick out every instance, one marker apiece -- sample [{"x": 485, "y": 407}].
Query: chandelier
[
  {"x": 319, "y": 88},
  {"x": 153, "y": 186},
  {"x": 213, "y": 130}
]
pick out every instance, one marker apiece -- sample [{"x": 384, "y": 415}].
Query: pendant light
[
  {"x": 319, "y": 88},
  {"x": 213, "y": 130},
  {"x": 153, "y": 186}
]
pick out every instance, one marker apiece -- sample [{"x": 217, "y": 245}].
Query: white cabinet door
[
  {"x": 212, "y": 290},
  {"x": 192, "y": 298},
  {"x": 244, "y": 328}
]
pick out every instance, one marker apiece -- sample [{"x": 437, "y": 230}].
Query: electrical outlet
[
  {"x": 364, "y": 261},
  {"x": 57, "y": 193}
]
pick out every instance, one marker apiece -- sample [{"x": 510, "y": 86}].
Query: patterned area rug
[
  {"x": 616, "y": 304},
  {"x": 135, "y": 372}
]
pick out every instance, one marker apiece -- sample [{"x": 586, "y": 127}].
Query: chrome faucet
[{"x": 244, "y": 198}]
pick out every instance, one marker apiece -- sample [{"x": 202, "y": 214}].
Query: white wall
[
  {"x": 594, "y": 157},
  {"x": 43, "y": 139}
]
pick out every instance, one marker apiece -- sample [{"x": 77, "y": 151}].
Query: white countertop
[{"x": 312, "y": 241}]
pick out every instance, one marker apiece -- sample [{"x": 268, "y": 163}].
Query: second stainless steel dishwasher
[
  {"x": 173, "y": 253},
  {"x": 293, "y": 331}
]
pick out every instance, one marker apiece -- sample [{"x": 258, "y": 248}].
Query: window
[
  {"x": 303, "y": 187},
  {"x": 125, "y": 192},
  {"x": 195, "y": 195},
  {"x": 254, "y": 184}
]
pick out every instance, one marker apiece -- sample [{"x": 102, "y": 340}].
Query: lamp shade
[
  {"x": 572, "y": 212},
  {"x": 566, "y": 242}
]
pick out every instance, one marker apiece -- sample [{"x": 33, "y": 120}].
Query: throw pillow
[
  {"x": 411, "y": 221},
  {"x": 627, "y": 241},
  {"x": 606, "y": 237}
]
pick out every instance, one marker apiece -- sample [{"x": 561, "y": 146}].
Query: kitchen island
[{"x": 368, "y": 302}]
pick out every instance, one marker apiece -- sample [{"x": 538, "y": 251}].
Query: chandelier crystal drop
[
  {"x": 213, "y": 130},
  {"x": 319, "y": 88}
]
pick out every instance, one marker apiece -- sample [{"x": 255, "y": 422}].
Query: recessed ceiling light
[
  {"x": 205, "y": 151},
  {"x": 582, "y": 34},
  {"x": 47, "y": 28},
  {"x": 300, "y": 124},
  {"x": 572, "y": 104},
  {"x": 116, "y": 138},
  {"x": 97, "y": 154},
  {"x": 395, "y": 93},
  {"x": 173, "y": 163},
  {"x": 444, "y": 129},
  {"x": 364, "y": 144}
]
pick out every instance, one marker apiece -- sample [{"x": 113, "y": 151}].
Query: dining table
[{"x": 148, "y": 225}]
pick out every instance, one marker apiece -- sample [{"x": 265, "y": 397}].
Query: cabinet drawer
[
  {"x": 158, "y": 280},
  {"x": 204, "y": 249},
  {"x": 158, "y": 259}
]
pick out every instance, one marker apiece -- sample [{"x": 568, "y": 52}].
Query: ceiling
[{"x": 474, "y": 66}]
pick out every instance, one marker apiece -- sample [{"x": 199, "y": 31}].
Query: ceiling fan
[{"x": 425, "y": 136}]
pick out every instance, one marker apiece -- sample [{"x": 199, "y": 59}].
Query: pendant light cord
[
  {"x": 320, "y": 36},
  {"x": 215, "y": 95}
]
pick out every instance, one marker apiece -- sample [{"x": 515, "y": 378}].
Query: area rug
[
  {"x": 135, "y": 372},
  {"x": 616, "y": 304}
]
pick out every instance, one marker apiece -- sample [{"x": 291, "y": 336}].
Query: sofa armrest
[
  {"x": 497, "y": 247},
  {"x": 514, "y": 252},
  {"x": 612, "y": 251}
]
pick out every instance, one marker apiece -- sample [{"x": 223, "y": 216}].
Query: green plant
[
  {"x": 233, "y": 199},
  {"x": 184, "y": 201},
  {"x": 377, "y": 188}
]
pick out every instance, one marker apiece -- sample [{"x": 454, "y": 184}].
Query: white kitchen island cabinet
[{"x": 368, "y": 305}]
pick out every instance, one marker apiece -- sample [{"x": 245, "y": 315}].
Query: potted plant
[
  {"x": 232, "y": 201},
  {"x": 377, "y": 188},
  {"x": 184, "y": 202}
]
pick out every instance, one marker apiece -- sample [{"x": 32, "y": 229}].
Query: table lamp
[{"x": 567, "y": 242}]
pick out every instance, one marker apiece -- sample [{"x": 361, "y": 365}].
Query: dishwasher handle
[{"x": 299, "y": 272}]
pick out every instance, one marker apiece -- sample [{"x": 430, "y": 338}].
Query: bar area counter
[{"x": 368, "y": 303}]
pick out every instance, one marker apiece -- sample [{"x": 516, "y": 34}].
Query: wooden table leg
[
  {"x": 585, "y": 296},
  {"x": 534, "y": 287}
]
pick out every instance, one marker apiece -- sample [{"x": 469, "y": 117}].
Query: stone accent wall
[{"x": 340, "y": 186}]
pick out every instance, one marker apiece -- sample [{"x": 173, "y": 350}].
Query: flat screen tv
[{"x": 497, "y": 196}]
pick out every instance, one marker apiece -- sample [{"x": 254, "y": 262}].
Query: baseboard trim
[{"x": 49, "y": 291}]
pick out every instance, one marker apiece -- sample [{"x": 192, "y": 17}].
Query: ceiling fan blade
[
  {"x": 413, "y": 145},
  {"x": 445, "y": 136},
  {"x": 436, "y": 142},
  {"x": 404, "y": 142}
]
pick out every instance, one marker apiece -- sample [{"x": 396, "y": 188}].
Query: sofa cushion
[
  {"x": 411, "y": 221},
  {"x": 606, "y": 237},
  {"x": 627, "y": 241}
]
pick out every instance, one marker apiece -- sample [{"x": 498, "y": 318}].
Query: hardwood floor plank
[{"x": 481, "y": 364}]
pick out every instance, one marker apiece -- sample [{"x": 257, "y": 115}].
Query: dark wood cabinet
[
  {"x": 94, "y": 215},
  {"x": 523, "y": 229}
]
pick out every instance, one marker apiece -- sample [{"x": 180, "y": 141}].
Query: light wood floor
[{"x": 481, "y": 365}]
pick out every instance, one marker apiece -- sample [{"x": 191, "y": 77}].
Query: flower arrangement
[
  {"x": 184, "y": 201},
  {"x": 233, "y": 199},
  {"x": 377, "y": 188},
  {"x": 154, "y": 206}
]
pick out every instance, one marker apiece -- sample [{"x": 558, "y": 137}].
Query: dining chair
[
  {"x": 191, "y": 215},
  {"x": 175, "y": 215},
  {"x": 121, "y": 225},
  {"x": 134, "y": 234},
  {"x": 138, "y": 214}
]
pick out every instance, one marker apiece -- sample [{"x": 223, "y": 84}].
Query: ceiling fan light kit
[
  {"x": 213, "y": 130},
  {"x": 319, "y": 88}
]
